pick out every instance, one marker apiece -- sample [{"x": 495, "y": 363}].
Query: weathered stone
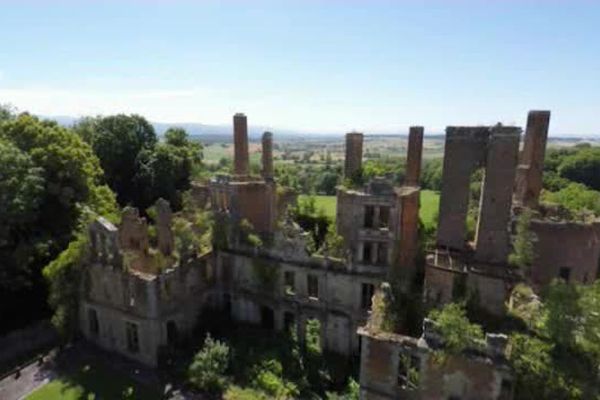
[
  {"x": 241, "y": 164},
  {"x": 414, "y": 156},
  {"x": 267, "y": 156},
  {"x": 354, "y": 153}
]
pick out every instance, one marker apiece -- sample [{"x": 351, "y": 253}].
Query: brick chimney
[
  {"x": 267, "y": 156},
  {"x": 240, "y": 144},
  {"x": 414, "y": 156},
  {"x": 354, "y": 150}
]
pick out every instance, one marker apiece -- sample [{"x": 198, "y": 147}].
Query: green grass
[
  {"x": 92, "y": 382},
  {"x": 326, "y": 203},
  {"x": 430, "y": 201}
]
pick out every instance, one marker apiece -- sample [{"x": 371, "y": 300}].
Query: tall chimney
[
  {"x": 529, "y": 174},
  {"x": 414, "y": 156},
  {"x": 354, "y": 149},
  {"x": 267, "y": 156},
  {"x": 240, "y": 145}
]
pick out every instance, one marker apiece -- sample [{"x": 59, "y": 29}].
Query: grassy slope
[
  {"x": 429, "y": 205},
  {"x": 88, "y": 382}
]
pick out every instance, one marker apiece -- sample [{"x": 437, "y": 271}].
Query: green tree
[
  {"x": 522, "y": 255},
  {"x": 575, "y": 197},
  {"x": 455, "y": 328},
  {"x": 117, "y": 140},
  {"x": 582, "y": 167},
  {"x": 207, "y": 370},
  {"x": 50, "y": 182}
]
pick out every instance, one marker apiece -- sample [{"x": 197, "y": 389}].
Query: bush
[
  {"x": 207, "y": 371},
  {"x": 455, "y": 328}
]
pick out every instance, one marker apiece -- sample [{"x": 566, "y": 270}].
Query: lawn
[
  {"x": 92, "y": 381},
  {"x": 430, "y": 201}
]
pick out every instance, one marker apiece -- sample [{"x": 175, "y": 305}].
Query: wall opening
[
  {"x": 289, "y": 278},
  {"x": 366, "y": 296},
  {"x": 369, "y": 216},
  {"x": 93, "y": 322},
  {"x": 475, "y": 192},
  {"x": 565, "y": 274},
  {"x": 172, "y": 333},
  {"x": 312, "y": 286},
  {"x": 267, "y": 318},
  {"x": 313, "y": 336},
  {"x": 289, "y": 322},
  {"x": 133, "y": 340}
]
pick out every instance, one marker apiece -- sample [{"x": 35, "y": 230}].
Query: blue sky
[{"x": 319, "y": 66}]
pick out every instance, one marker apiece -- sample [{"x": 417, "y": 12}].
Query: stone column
[
  {"x": 166, "y": 241},
  {"x": 414, "y": 156},
  {"x": 267, "y": 156},
  {"x": 529, "y": 176},
  {"x": 354, "y": 150},
  {"x": 241, "y": 164},
  {"x": 492, "y": 236}
]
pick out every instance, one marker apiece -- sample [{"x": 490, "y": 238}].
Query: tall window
[
  {"x": 367, "y": 250},
  {"x": 93, "y": 321},
  {"x": 133, "y": 341},
  {"x": 289, "y": 283},
  {"x": 369, "y": 216},
  {"x": 171, "y": 333},
  {"x": 313, "y": 286},
  {"x": 366, "y": 296},
  {"x": 384, "y": 217},
  {"x": 382, "y": 254}
]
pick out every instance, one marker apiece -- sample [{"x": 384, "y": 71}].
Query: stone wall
[
  {"x": 571, "y": 245},
  {"x": 354, "y": 153},
  {"x": 241, "y": 161}
]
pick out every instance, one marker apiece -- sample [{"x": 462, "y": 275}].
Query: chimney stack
[
  {"x": 267, "y": 156},
  {"x": 354, "y": 150},
  {"x": 531, "y": 165},
  {"x": 240, "y": 145},
  {"x": 414, "y": 156}
]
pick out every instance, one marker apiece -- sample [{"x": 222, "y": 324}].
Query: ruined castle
[{"x": 129, "y": 305}]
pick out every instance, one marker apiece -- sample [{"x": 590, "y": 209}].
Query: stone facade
[
  {"x": 402, "y": 367},
  {"x": 132, "y": 312}
]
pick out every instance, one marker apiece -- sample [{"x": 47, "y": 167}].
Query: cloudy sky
[{"x": 318, "y": 66}]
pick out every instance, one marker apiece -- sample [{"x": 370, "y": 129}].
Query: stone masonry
[
  {"x": 414, "y": 156},
  {"x": 241, "y": 164},
  {"x": 354, "y": 151},
  {"x": 267, "y": 156}
]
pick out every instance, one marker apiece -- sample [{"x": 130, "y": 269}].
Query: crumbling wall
[
  {"x": 464, "y": 152},
  {"x": 267, "y": 156},
  {"x": 241, "y": 163},
  {"x": 571, "y": 245},
  {"x": 354, "y": 152},
  {"x": 254, "y": 201}
]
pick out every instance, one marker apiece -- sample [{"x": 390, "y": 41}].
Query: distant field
[{"x": 430, "y": 201}]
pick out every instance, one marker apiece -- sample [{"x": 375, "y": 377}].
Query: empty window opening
[
  {"x": 313, "y": 286},
  {"x": 171, "y": 333},
  {"x": 289, "y": 322},
  {"x": 384, "y": 217},
  {"x": 289, "y": 278},
  {"x": 564, "y": 273},
  {"x": 133, "y": 341},
  {"x": 367, "y": 251},
  {"x": 369, "y": 216},
  {"x": 382, "y": 254},
  {"x": 227, "y": 307},
  {"x": 506, "y": 390},
  {"x": 475, "y": 192},
  {"x": 267, "y": 317},
  {"x": 409, "y": 371},
  {"x": 313, "y": 336},
  {"x": 93, "y": 321},
  {"x": 367, "y": 296}
]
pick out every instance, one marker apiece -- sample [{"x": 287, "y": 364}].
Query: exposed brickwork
[
  {"x": 407, "y": 244},
  {"x": 241, "y": 165},
  {"x": 254, "y": 201},
  {"x": 529, "y": 180},
  {"x": 492, "y": 237},
  {"x": 414, "y": 156},
  {"x": 464, "y": 153},
  {"x": 354, "y": 152},
  {"x": 133, "y": 231},
  {"x": 267, "y": 156},
  {"x": 571, "y": 245}
]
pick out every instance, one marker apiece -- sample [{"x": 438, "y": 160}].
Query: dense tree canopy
[
  {"x": 48, "y": 178},
  {"x": 582, "y": 167}
]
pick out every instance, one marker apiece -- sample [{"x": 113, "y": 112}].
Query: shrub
[{"x": 207, "y": 371}]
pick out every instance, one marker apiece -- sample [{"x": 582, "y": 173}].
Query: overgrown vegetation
[
  {"x": 207, "y": 370},
  {"x": 522, "y": 254}
]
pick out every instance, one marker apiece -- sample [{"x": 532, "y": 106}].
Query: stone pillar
[
  {"x": 492, "y": 236},
  {"x": 354, "y": 150},
  {"x": 464, "y": 152},
  {"x": 267, "y": 156},
  {"x": 529, "y": 177},
  {"x": 166, "y": 241},
  {"x": 407, "y": 247},
  {"x": 414, "y": 156},
  {"x": 241, "y": 164}
]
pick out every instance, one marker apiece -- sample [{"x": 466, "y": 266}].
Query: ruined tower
[
  {"x": 267, "y": 156},
  {"x": 164, "y": 216},
  {"x": 531, "y": 165},
  {"x": 354, "y": 150},
  {"x": 241, "y": 164},
  {"x": 414, "y": 155}
]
